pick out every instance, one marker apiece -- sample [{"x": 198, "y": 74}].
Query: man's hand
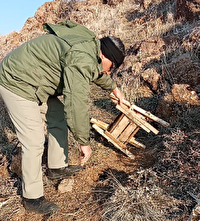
[
  {"x": 85, "y": 154},
  {"x": 118, "y": 94}
]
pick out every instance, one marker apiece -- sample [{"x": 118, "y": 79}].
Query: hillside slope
[{"x": 161, "y": 73}]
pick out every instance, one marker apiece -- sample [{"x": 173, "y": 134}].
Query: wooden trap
[{"x": 123, "y": 129}]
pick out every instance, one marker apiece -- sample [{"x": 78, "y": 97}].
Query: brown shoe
[
  {"x": 63, "y": 172},
  {"x": 39, "y": 205}
]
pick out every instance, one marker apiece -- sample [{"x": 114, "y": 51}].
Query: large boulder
[
  {"x": 48, "y": 12},
  {"x": 183, "y": 94},
  {"x": 151, "y": 49},
  {"x": 3, "y": 167},
  {"x": 168, "y": 107},
  {"x": 191, "y": 41},
  {"x": 152, "y": 77},
  {"x": 182, "y": 70},
  {"x": 112, "y": 2},
  {"x": 146, "y": 3},
  {"x": 187, "y": 9}
]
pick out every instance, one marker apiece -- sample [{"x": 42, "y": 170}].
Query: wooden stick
[
  {"x": 120, "y": 127},
  {"x": 136, "y": 119},
  {"x": 127, "y": 132},
  {"x": 114, "y": 141},
  {"x": 150, "y": 116},
  {"x": 142, "y": 111},
  {"x": 133, "y": 134},
  {"x": 99, "y": 123},
  {"x": 134, "y": 142},
  {"x": 127, "y": 103},
  {"x": 113, "y": 126}
]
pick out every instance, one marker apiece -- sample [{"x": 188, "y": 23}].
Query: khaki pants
[{"x": 28, "y": 123}]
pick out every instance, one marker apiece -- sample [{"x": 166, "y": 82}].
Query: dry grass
[
  {"x": 160, "y": 192},
  {"x": 124, "y": 20},
  {"x": 141, "y": 199},
  {"x": 112, "y": 187}
]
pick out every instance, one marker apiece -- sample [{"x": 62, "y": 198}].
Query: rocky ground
[{"x": 160, "y": 74}]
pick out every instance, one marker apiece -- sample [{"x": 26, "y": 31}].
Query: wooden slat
[
  {"x": 142, "y": 111},
  {"x": 120, "y": 127},
  {"x": 144, "y": 120},
  {"x": 100, "y": 124},
  {"x": 136, "y": 119},
  {"x": 133, "y": 134},
  {"x": 134, "y": 142},
  {"x": 113, "y": 125},
  {"x": 133, "y": 118},
  {"x": 127, "y": 132},
  {"x": 150, "y": 116},
  {"x": 114, "y": 141},
  {"x": 127, "y": 103}
]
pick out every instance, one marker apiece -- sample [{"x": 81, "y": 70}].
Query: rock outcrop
[
  {"x": 187, "y": 9},
  {"x": 178, "y": 76}
]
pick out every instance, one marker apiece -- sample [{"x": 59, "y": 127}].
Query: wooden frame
[{"x": 126, "y": 125}]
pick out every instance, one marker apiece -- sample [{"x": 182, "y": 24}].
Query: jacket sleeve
[
  {"x": 77, "y": 75},
  {"x": 105, "y": 82}
]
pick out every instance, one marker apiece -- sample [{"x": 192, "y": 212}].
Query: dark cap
[{"x": 111, "y": 51}]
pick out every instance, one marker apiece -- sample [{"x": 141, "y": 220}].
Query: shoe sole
[
  {"x": 52, "y": 210},
  {"x": 58, "y": 177},
  {"x": 45, "y": 213}
]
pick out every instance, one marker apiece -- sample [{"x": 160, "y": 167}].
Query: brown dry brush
[
  {"x": 159, "y": 192},
  {"x": 162, "y": 191},
  {"x": 179, "y": 166},
  {"x": 139, "y": 199}
]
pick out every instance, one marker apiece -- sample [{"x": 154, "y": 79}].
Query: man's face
[{"x": 107, "y": 65}]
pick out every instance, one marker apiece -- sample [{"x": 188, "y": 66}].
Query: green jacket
[{"x": 64, "y": 61}]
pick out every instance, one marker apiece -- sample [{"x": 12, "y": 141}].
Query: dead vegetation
[{"x": 160, "y": 74}]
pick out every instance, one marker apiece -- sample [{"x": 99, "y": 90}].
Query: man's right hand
[
  {"x": 118, "y": 94},
  {"x": 85, "y": 154}
]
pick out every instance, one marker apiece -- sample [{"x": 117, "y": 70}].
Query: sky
[{"x": 14, "y": 13}]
